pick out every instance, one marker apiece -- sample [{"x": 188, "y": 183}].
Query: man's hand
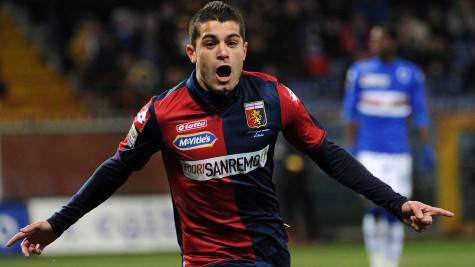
[
  {"x": 36, "y": 237},
  {"x": 419, "y": 215}
]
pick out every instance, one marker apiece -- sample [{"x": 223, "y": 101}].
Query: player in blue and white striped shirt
[{"x": 381, "y": 93}]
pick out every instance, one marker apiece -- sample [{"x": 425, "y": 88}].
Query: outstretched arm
[
  {"x": 337, "y": 163},
  {"x": 103, "y": 183},
  {"x": 107, "y": 178},
  {"x": 142, "y": 141},
  {"x": 305, "y": 133}
]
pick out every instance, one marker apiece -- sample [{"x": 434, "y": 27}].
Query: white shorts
[{"x": 393, "y": 169}]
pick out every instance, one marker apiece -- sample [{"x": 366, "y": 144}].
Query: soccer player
[
  {"x": 217, "y": 131},
  {"x": 381, "y": 92}
]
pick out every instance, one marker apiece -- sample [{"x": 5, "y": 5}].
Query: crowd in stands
[{"x": 121, "y": 52}]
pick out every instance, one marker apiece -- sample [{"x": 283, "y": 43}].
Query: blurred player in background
[
  {"x": 217, "y": 132},
  {"x": 381, "y": 93}
]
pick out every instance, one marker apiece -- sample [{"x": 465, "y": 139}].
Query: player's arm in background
[
  {"x": 420, "y": 116},
  {"x": 350, "y": 100},
  {"x": 304, "y": 132},
  {"x": 142, "y": 141}
]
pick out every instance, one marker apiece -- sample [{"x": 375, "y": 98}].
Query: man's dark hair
[{"x": 215, "y": 10}]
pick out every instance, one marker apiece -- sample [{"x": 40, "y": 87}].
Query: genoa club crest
[{"x": 255, "y": 114}]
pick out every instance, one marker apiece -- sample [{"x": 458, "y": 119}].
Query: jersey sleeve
[
  {"x": 418, "y": 100},
  {"x": 143, "y": 140},
  {"x": 341, "y": 166},
  {"x": 350, "y": 99},
  {"x": 298, "y": 126}
]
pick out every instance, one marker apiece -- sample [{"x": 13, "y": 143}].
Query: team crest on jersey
[
  {"x": 403, "y": 75},
  {"x": 255, "y": 114},
  {"x": 195, "y": 140}
]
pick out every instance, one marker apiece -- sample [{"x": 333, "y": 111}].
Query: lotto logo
[{"x": 191, "y": 126}]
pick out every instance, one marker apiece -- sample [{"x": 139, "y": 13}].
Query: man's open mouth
[{"x": 223, "y": 72}]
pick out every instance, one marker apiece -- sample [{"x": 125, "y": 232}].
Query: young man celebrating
[
  {"x": 381, "y": 92},
  {"x": 217, "y": 132}
]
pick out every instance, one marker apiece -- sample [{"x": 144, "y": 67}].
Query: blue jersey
[{"x": 380, "y": 97}]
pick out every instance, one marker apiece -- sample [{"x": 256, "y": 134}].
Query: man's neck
[
  {"x": 217, "y": 100},
  {"x": 203, "y": 86},
  {"x": 387, "y": 58}
]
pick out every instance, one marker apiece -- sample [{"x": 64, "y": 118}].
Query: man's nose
[{"x": 222, "y": 51}]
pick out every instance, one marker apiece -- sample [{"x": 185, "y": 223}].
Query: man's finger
[
  {"x": 26, "y": 242},
  {"x": 427, "y": 219},
  {"x": 415, "y": 227},
  {"x": 16, "y": 237},
  {"x": 24, "y": 249},
  {"x": 30, "y": 227},
  {"x": 411, "y": 222},
  {"x": 38, "y": 249},
  {"x": 31, "y": 248},
  {"x": 422, "y": 225},
  {"x": 416, "y": 210},
  {"x": 440, "y": 211}
]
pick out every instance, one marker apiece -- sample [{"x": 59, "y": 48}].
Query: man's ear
[
  {"x": 191, "y": 53},
  {"x": 244, "y": 47}
]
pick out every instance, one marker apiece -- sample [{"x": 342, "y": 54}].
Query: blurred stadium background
[{"x": 74, "y": 73}]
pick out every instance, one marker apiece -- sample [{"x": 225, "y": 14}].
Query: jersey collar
[{"x": 208, "y": 101}]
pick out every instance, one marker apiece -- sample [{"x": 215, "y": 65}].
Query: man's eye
[
  {"x": 209, "y": 45},
  {"x": 232, "y": 44}
]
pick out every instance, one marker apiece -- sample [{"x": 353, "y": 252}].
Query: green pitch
[{"x": 416, "y": 254}]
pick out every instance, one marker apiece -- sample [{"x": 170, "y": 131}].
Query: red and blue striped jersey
[{"x": 218, "y": 152}]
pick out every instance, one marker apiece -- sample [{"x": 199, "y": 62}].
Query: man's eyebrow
[
  {"x": 213, "y": 36},
  {"x": 233, "y": 35},
  {"x": 209, "y": 35}
]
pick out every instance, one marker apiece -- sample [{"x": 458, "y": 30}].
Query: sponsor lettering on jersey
[
  {"x": 195, "y": 140},
  {"x": 132, "y": 136},
  {"x": 258, "y": 133},
  {"x": 225, "y": 166},
  {"x": 191, "y": 126},
  {"x": 394, "y": 104},
  {"x": 255, "y": 114},
  {"x": 376, "y": 80}
]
